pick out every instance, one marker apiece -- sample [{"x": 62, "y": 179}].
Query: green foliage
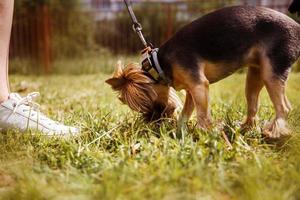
[
  {"x": 75, "y": 37},
  {"x": 53, "y": 3},
  {"x": 296, "y": 17},
  {"x": 72, "y": 30},
  {"x": 79, "y": 45},
  {"x": 20, "y": 4},
  {"x": 159, "y": 22},
  {"x": 102, "y": 61},
  {"x": 118, "y": 156},
  {"x": 296, "y": 67},
  {"x": 209, "y": 5},
  {"x": 23, "y": 5},
  {"x": 154, "y": 20}
]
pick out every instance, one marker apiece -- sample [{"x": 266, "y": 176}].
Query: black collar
[{"x": 151, "y": 65}]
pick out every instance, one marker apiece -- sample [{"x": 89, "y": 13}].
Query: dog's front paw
[{"x": 248, "y": 124}]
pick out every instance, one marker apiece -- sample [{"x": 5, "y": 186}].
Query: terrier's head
[{"x": 142, "y": 94}]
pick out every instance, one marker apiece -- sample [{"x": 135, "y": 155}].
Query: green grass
[
  {"x": 96, "y": 62},
  {"x": 120, "y": 157}
]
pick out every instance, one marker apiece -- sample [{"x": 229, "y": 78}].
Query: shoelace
[{"x": 29, "y": 101}]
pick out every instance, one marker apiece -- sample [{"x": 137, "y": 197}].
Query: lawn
[{"x": 118, "y": 156}]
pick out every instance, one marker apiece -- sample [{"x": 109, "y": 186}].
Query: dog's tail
[{"x": 295, "y": 7}]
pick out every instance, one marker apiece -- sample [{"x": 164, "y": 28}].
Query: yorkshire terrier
[
  {"x": 210, "y": 49},
  {"x": 143, "y": 94}
]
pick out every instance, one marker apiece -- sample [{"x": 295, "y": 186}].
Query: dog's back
[
  {"x": 208, "y": 50},
  {"x": 227, "y": 35}
]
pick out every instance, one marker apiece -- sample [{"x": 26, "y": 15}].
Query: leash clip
[{"x": 137, "y": 27}]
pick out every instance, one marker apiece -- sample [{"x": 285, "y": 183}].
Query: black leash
[
  {"x": 137, "y": 27},
  {"x": 150, "y": 62}
]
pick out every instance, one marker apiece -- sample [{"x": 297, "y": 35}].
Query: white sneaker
[{"x": 23, "y": 114}]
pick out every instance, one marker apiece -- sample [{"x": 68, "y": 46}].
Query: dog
[
  {"x": 295, "y": 7},
  {"x": 211, "y": 48},
  {"x": 142, "y": 94}
]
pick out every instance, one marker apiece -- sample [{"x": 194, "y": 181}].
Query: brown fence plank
[{"x": 32, "y": 30}]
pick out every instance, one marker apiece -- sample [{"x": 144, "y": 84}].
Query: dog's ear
[
  {"x": 119, "y": 69},
  {"x": 116, "y": 83}
]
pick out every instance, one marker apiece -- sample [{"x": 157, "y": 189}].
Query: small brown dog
[
  {"x": 142, "y": 94},
  {"x": 210, "y": 49}
]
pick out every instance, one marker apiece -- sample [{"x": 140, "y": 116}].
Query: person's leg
[
  {"x": 6, "y": 15},
  {"x": 18, "y": 112}
]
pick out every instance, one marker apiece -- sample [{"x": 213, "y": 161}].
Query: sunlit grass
[
  {"x": 97, "y": 62},
  {"x": 118, "y": 156}
]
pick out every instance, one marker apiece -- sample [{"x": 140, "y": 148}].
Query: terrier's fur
[
  {"x": 142, "y": 94},
  {"x": 212, "y": 48}
]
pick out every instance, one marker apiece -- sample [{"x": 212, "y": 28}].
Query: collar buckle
[{"x": 151, "y": 65}]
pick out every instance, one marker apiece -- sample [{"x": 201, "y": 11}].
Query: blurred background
[{"x": 89, "y": 36}]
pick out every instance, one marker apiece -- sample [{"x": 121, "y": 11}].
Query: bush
[
  {"x": 152, "y": 17},
  {"x": 159, "y": 21},
  {"x": 72, "y": 31}
]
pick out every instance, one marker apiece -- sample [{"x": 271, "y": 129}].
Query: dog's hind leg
[
  {"x": 254, "y": 84},
  {"x": 276, "y": 89},
  {"x": 288, "y": 103}
]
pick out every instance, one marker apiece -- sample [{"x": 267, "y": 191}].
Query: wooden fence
[
  {"x": 31, "y": 36},
  {"x": 33, "y": 29}
]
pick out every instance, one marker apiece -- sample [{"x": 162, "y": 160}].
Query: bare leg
[
  {"x": 254, "y": 84},
  {"x": 6, "y": 14},
  {"x": 15, "y": 113}
]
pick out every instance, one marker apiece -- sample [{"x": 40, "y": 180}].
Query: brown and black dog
[
  {"x": 210, "y": 49},
  {"x": 295, "y": 7}
]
